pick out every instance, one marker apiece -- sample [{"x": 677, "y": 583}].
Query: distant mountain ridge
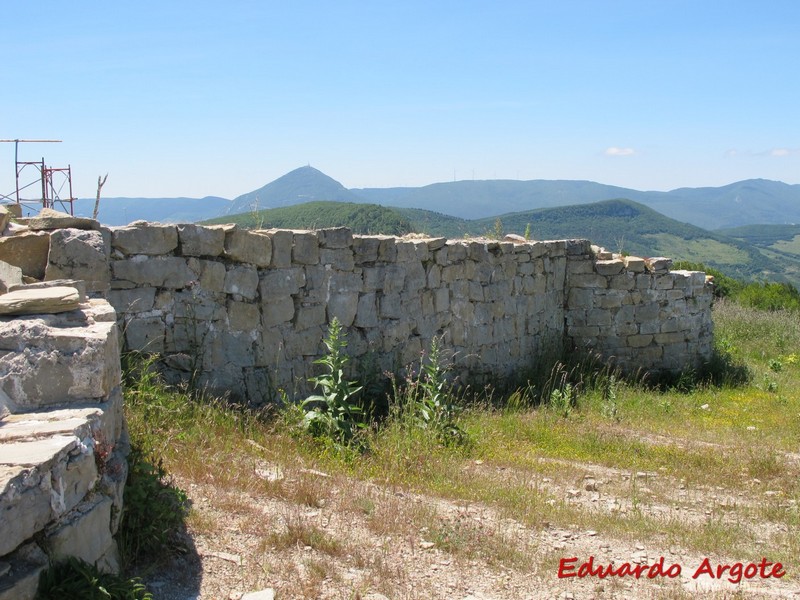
[{"x": 749, "y": 202}]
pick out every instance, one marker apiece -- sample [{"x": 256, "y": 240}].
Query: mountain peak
[{"x": 304, "y": 184}]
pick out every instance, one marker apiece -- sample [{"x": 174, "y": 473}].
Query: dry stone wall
[{"x": 245, "y": 312}]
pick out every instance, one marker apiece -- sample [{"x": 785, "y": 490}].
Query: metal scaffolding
[{"x": 54, "y": 184}]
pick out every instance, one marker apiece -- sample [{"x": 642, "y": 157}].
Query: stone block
[
  {"x": 658, "y": 264},
  {"x": 336, "y": 237},
  {"x": 367, "y": 311},
  {"x": 145, "y": 334},
  {"x": 196, "y": 240},
  {"x": 251, "y": 247},
  {"x": 305, "y": 248},
  {"x": 276, "y": 310},
  {"x": 85, "y": 534},
  {"x": 49, "y": 219},
  {"x": 639, "y": 341},
  {"x": 169, "y": 272},
  {"x": 132, "y": 301},
  {"x": 309, "y": 316},
  {"x": 28, "y": 251},
  {"x": 77, "y": 254},
  {"x": 58, "y": 359},
  {"x": 281, "y": 282},
  {"x": 242, "y": 281},
  {"x": 343, "y": 306},
  {"x": 340, "y": 259},
  {"x": 634, "y": 264},
  {"x": 609, "y": 267},
  {"x": 365, "y": 249},
  {"x": 39, "y": 301},
  {"x": 10, "y": 275},
  {"x": 282, "y": 240},
  {"x": 243, "y": 316},
  {"x": 152, "y": 239},
  {"x": 21, "y": 580},
  {"x": 211, "y": 274}
]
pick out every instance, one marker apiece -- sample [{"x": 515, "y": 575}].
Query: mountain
[
  {"x": 779, "y": 243},
  {"x": 121, "y": 211},
  {"x": 301, "y": 185},
  {"x": 742, "y": 203}
]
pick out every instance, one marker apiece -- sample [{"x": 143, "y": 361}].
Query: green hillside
[
  {"x": 361, "y": 218},
  {"x": 623, "y": 225}
]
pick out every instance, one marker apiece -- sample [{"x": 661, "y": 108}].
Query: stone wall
[
  {"x": 62, "y": 441},
  {"x": 246, "y": 311}
]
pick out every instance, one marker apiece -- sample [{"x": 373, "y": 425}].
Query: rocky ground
[{"x": 318, "y": 536}]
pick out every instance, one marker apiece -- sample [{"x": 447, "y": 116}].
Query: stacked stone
[
  {"x": 62, "y": 446},
  {"x": 637, "y": 313},
  {"x": 246, "y": 311}
]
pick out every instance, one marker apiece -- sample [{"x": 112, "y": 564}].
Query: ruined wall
[
  {"x": 246, "y": 311},
  {"x": 62, "y": 441}
]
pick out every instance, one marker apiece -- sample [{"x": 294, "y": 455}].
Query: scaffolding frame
[{"x": 51, "y": 180}]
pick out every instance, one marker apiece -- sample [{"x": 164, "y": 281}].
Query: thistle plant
[{"x": 333, "y": 414}]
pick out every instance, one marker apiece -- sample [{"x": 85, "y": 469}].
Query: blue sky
[{"x": 209, "y": 98}]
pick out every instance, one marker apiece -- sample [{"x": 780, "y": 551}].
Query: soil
[{"x": 317, "y": 536}]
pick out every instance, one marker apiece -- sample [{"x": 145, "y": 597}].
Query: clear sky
[{"x": 195, "y": 98}]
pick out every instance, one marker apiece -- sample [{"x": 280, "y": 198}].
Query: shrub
[{"x": 74, "y": 578}]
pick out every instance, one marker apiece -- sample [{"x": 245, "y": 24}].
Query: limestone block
[
  {"x": 282, "y": 241},
  {"x": 241, "y": 280},
  {"x": 640, "y": 341},
  {"x": 10, "y": 275},
  {"x": 28, "y": 251},
  {"x": 441, "y": 300},
  {"x": 153, "y": 239},
  {"x": 39, "y": 301},
  {"x": 223, "y": 347},
  {"x": 624, "y": 281},
  {"x": 588, "y": 281},
  {"x": 340, "y": 259},
  {"x": 243, "y": 316},
  {"x": 5, "y": 216},
  {"x": 212, "y": 275},
  {"x": 343, "y": 306},
  {"x": 24, "y": 507},
  {"x": 249, "y": 247},
  {"x": 374, "y": 278},
  {"x": 276, "y": 310},
  {"x": 367, "y": 311},
  {"x": 634, "y": 264},
  {"x": 58, "y": 359},
  {"x": 365, "y": 249},
  {"x": 201, "y": 241},
  {"x": 52, "y": 219},
  {"x": 305, "y": 249},
  {"x": 85, "y": 533},
  {"x": 345, "y": 282},
  {"x": 168, "y": 272},
  {"x": 132, "y": 301},
  {"x": 658, "y": 264},
  {"x": 305, "y": 343},
  {"x": 21, "y": 581},
  {"x": 76, "y": 254},
  {"x": 609, "y": 267},
  {"x": 336, "y": 237},
  {"x": 394, "y": 278},
  {"x": 416, "y": 278},
  {"x": 281, "y": 282},
  {"x": 309, "y": 316},
  {"x": 387, "y": 251},
  {"x": 406, "y": 251},
  {"x": 390, "y": 306},
  {"x": 145, "y": 334}
]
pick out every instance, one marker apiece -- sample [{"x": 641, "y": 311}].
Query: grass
[{"x": 697, "y": 465}]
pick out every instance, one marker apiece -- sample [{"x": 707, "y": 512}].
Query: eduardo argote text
[{"x": 735, "y": 572}]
